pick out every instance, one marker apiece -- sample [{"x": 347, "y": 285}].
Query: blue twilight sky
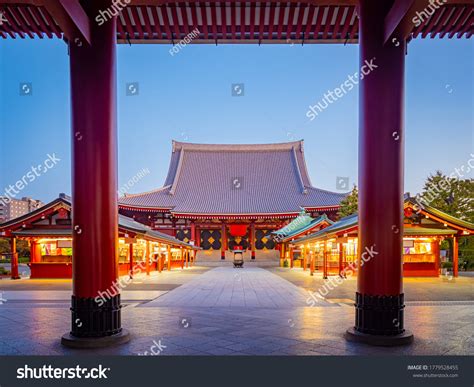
[{"x": 187, "y": 97}]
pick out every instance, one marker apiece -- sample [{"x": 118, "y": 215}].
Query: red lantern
[
  {"x": 62, "y": 213},
  {"x": 408, "y": 212},
  {"x": 238, "y": 230}
]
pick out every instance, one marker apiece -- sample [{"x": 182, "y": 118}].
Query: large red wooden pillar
[
  {"x": 94, "y": 186},
  {"x": 455, "y": 256},
  {"x": 147, "y": 258},
  {"x": 130, "y": 258},
  {"x": 14, "y": 260},
  {"x": 379, "y": 297}
]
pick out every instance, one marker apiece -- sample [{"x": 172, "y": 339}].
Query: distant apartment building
[{"x": 13, "y": 208}]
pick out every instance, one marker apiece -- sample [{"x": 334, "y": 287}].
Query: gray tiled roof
[{"x": 236, "y": 179}]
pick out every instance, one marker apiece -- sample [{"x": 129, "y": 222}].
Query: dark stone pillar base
[
  {"x": 71, "y": 341},
  {"x": 95, "y": 324},
  {"x": 404, "y": 338},
  {"x": 379, "y": 321}
]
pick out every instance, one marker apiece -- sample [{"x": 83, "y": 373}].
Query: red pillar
[
  {"x": 130, "y": 257},
  {"x": 223, "y": 240},
  {"x": 325, "y": 261},
  {"x": 147, "y": 258},
  {"x": 341, "y": 259},
  {"x": 379, "y": 297},
  {"x": 169, "y": 257},
  {"x": 311, "y": 263},
  {"x": 252, "y": 239},
  {"x": 455, "y": 256},
  {"x": 14, "y": 260},
  {"x": 198, "y": 237},
  {"x": 291, "y": 257},
  {"x": 94, "y": 186},
  {"x": 193, "y": 232}
]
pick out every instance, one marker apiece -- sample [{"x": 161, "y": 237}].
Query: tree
[
  {"x": 455, "y": 197},
  {"x": 350, "y": 204},
  {"x": 449, "y": 194}
]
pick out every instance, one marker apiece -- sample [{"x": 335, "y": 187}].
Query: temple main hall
[{"x": 219, "y": 196}]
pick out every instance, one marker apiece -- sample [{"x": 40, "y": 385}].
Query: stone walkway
[
  {"x": 228, "y": 287},
  {"x": 236, "y": 312}
]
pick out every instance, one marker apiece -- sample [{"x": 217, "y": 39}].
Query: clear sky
[{"x": 188, "y": 97}]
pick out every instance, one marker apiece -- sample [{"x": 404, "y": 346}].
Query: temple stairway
[{"x": 263, "y": 258}]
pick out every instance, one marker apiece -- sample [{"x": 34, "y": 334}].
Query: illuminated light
[
  {"x": 445, "y": 225},
  {"x": 465, "y": 232},
  {"x": 426, "y": 216}
]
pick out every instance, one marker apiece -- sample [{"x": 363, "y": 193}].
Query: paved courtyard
[{"x": 225, "y": 311}]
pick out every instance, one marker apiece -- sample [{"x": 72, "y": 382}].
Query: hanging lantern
[
  {"x": 408, "y": 212},
  {"x": 238, "y": 230}
]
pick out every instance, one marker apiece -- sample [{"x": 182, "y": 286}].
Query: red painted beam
[
  {"x": 252, "y": 20},
  {"x": 352, "y": 14},
  {"x": 291, "y": 16},
  {"x": 337, "y": 24},
  {"x": 202, "y": 8},
  {"x": 463, "y": 19},
  {"x": 184, "y": 16},
  {"x": 309, "y": 22},
  {"x": 72, "y": 19},
  {"x": 16, "y": 27},
  {"x": 467, "y": 25},
  {"x": 327, "y": 26},
  {"x": 242, "y": 20},
  {"x": 39, "y": 18},
  {"x": 429, "y": 27},
  {"x": 281, "y": 16},
  {"x": 233, "y": 19},
  {"x": 138, "y": 23},
  {"x": 446, "y": 15},
  {"x": 128, "y": 23},
  {"x": 224, "y": 23},
  {"x": 299, "y": 23},
  {"x": 174, "y": 15},
  {"x": 147, "y": 21},
  {"x": 37, "y": 28},
  {"x": 214, "y": 20},
  {"x": 164, "y": 13},
  {"x": 271, "y": 20},
  {"x": 24, "y": 18},
  {"x": 319, "y": 20},
  {"x": 195, "y": 23},
  {"x": 452, "y": 21}
]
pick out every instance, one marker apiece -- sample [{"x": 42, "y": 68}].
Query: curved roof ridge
[
  {"x": 145, "y": 193},
  {"x": 327, "y": 191},
  {"x": 177, "y": 146}
]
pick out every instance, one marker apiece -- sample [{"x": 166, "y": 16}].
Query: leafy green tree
[
  {"x": 455, "y": 197},
  {"x": 349, "y": 205},
  {"x": 449, "y": 194}
]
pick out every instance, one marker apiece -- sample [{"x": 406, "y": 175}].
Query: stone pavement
[{"x": 252, "y": 325}]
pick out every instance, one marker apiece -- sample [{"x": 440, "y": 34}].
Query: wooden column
[
  {"x": 160, "y": 259},
  {"x": 311, "y": 263},
  {"x": 341, "y": 259},
  {"x": 325, "y": 260},
  {"x": 147, "y": 258},
  {"x": 223, "y": 240},
  {"x": 252, "y": 240},
  {"x": 94, "y": 183},
  {"x": 435, "y": 248},
  {"x": 455, "y": 256},
  {"x": 187, "y": 258},
  {"x": 130, "y": 256},
  {"x": 169, "y": 257},
  {"x": 193, "y": 232},
  {"x": 304, "y": 252},
  {"x": 14, "y": 260},
  {"x": 379, "y": 297},
  {"x": 198, "y": 237},
  {"x": 291, "y": 257},
  {"x": 181, "y": 253}
]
